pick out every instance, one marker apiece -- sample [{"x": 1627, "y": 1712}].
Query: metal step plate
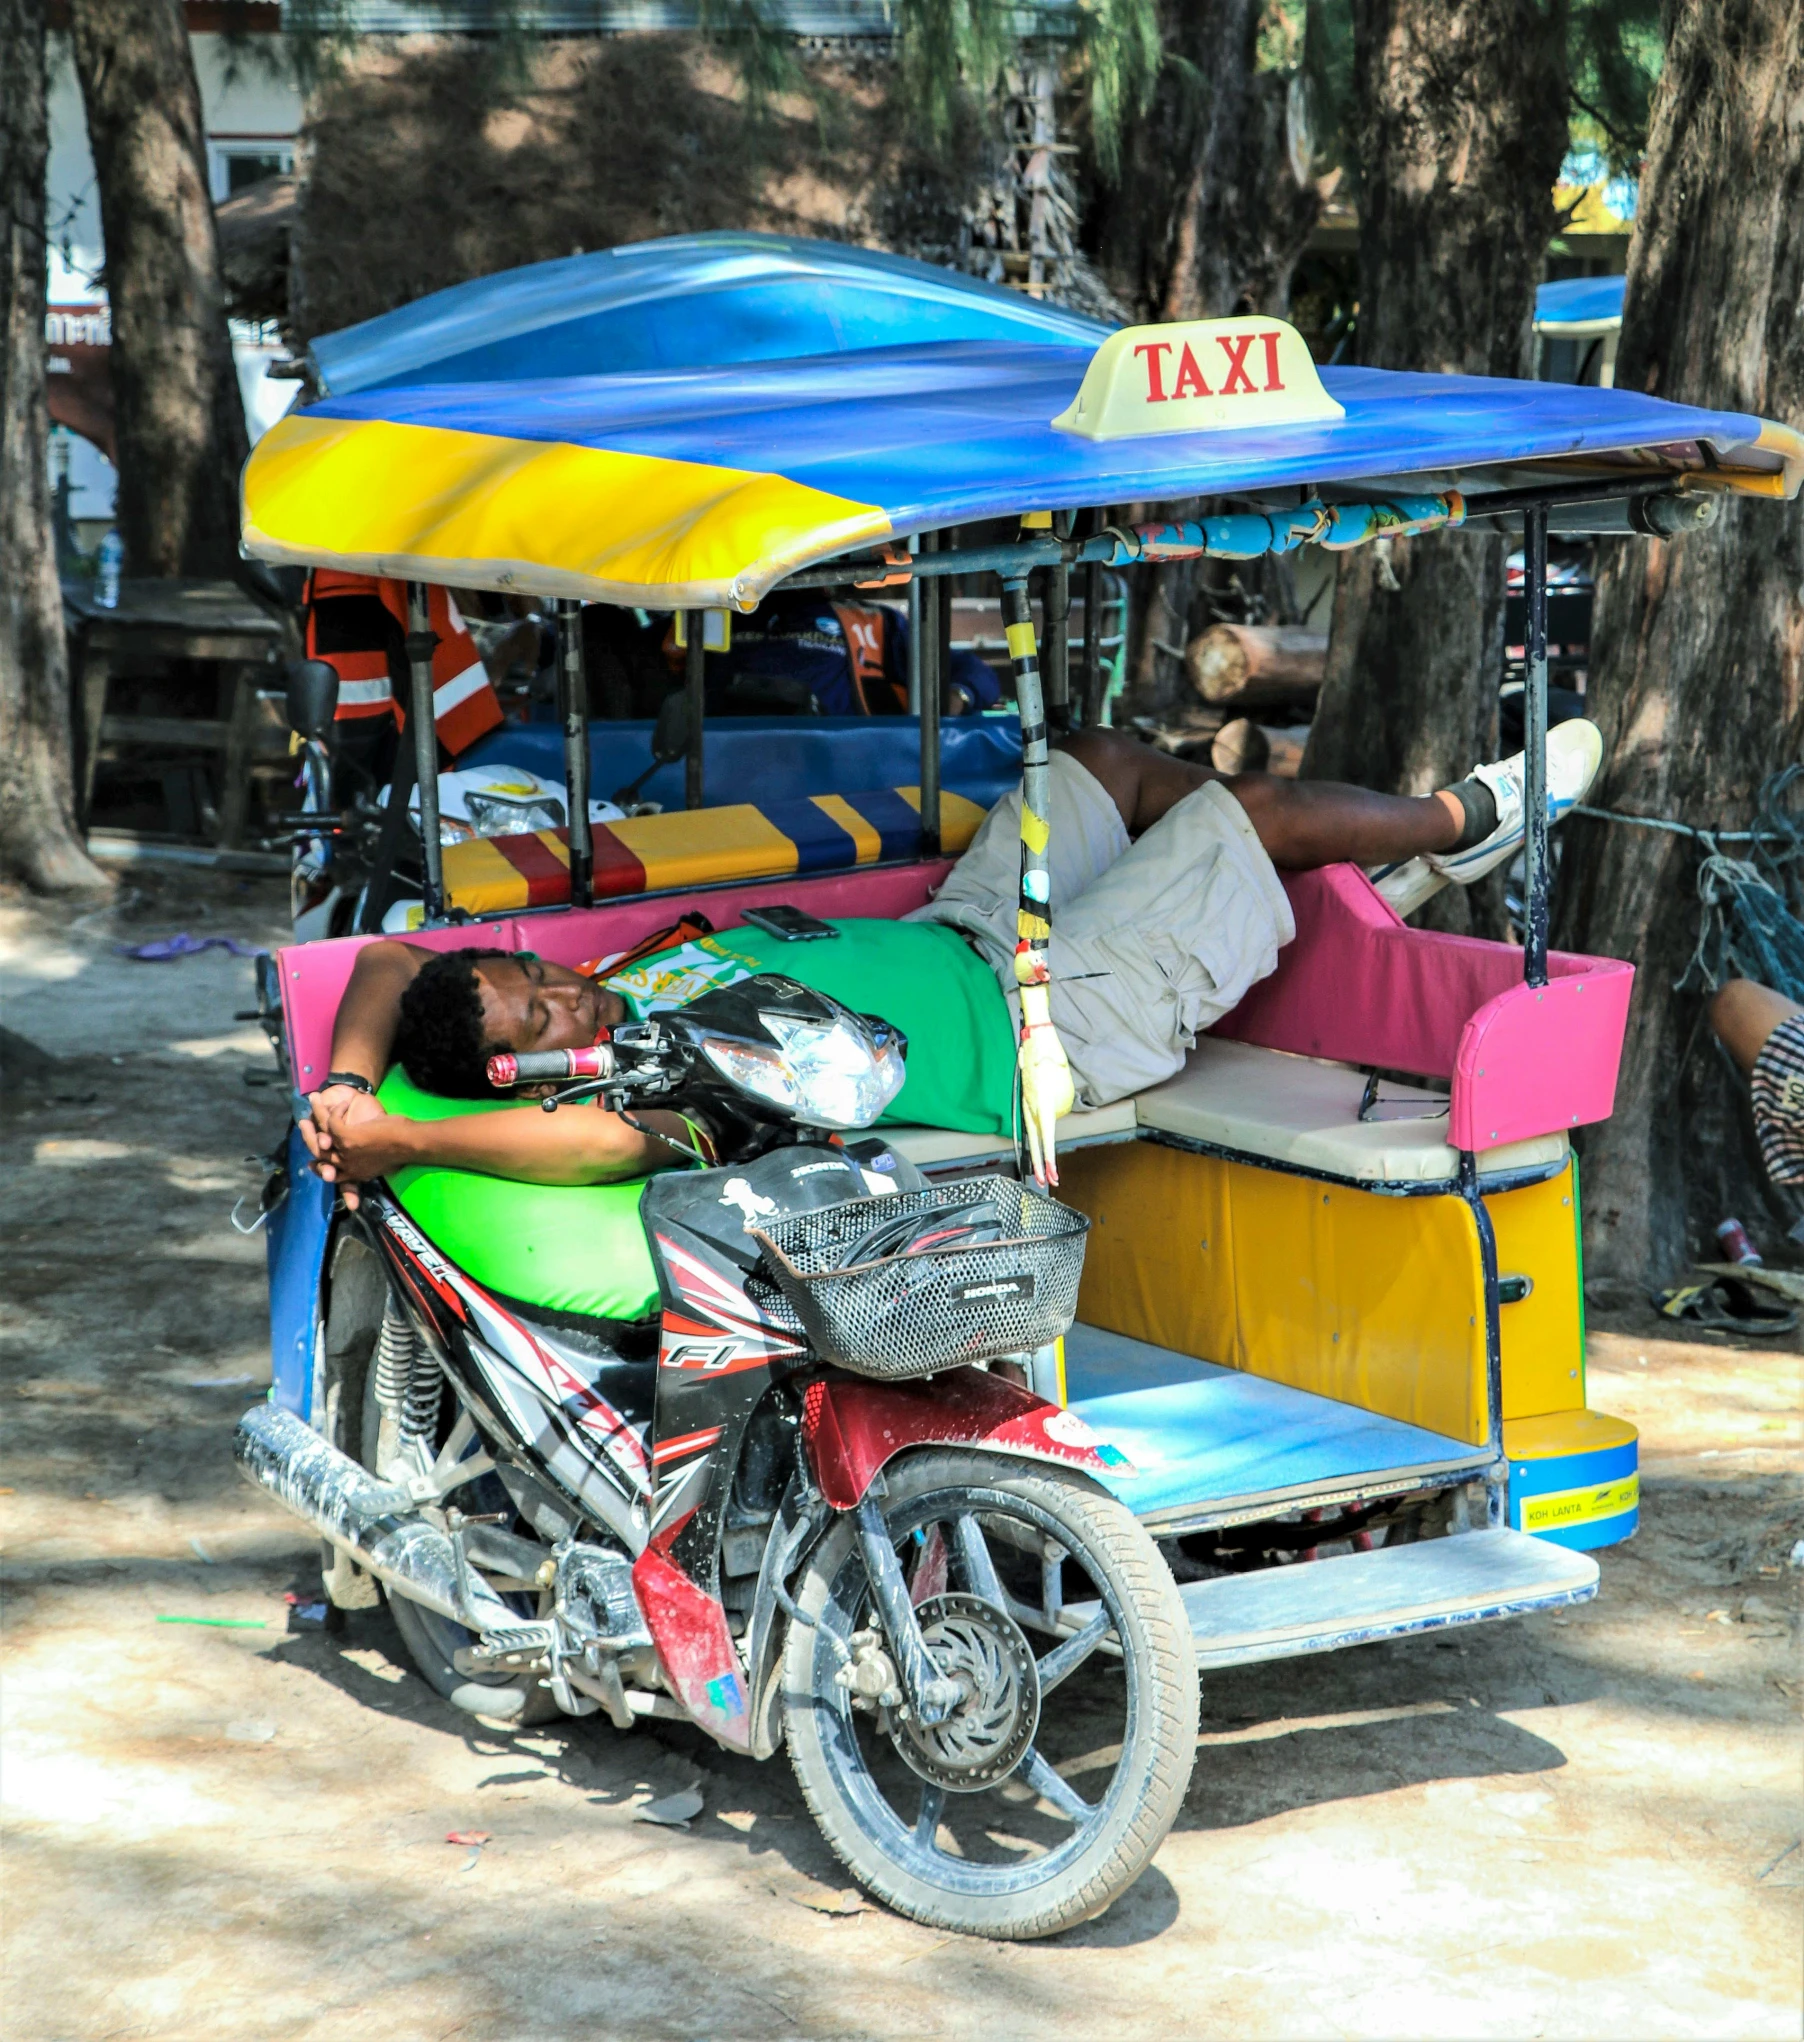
[{"x": 1322, "y": 1605}]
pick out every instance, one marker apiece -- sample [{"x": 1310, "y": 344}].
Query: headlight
[
  {"x": 501, "y": 815},
  {"x": 754, "y": 1069},
  {"x": 826, "y": 1073}
]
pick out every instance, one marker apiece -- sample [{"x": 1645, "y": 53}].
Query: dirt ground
[{"x": 1576, "y": 1825}]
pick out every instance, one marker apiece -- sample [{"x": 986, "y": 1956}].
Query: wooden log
[
  {"x": 1244, "y": 746},
  {"x": 1256, "y": 666}
]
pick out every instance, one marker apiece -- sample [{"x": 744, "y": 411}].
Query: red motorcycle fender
[
  {"x": 689, "y": 1628},
  {"x": 851, "y": 1426}
]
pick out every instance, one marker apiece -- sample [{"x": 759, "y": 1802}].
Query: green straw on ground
[{"x": 221, "y": 1623}]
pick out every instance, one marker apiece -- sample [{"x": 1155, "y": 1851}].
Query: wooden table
[{"x": 197, "y": 620}]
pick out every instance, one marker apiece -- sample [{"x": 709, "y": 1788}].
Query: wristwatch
[{"x": 355, "y": 1079}]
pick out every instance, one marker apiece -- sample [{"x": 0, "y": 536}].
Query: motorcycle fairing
[
  {"x": 722, "y": 1342},
  {"x": 700, "y": 1660},
  {"x": 526, "y": 1390},
  {"x": 851, "y": 1426}
]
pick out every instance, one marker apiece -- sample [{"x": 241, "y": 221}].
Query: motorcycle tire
[{"x": 843, "y": 1758}]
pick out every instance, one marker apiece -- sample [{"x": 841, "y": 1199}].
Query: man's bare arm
[
  {"x": 579, "y": 1144},
  {"x": 363, "y": 1035}
]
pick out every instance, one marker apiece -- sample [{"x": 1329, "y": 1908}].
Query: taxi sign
[{"x": 1199, "y": 375}]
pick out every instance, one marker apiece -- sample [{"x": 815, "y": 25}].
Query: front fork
[{"x": 931, "y": 1698}]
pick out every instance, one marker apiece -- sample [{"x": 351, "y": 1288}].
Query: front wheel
[{"x": 1042, "y": 1798}]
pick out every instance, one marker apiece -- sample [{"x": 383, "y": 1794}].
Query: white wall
[{"x": 248, "y": 106}]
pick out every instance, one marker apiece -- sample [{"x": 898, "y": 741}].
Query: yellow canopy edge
[{"x": 428, "y": 503}]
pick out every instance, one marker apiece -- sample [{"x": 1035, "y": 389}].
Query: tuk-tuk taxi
[{"x": 1329, "y": 1336}]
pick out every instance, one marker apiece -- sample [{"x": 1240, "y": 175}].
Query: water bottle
[{"x": 112, "y": 561}]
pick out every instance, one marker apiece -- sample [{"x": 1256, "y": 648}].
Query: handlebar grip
[{"x": 534, "y": 1066}]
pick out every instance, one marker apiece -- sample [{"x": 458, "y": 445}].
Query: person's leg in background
[
  {"x": 1763, "y": 1032},
  {"x": 1744, "y": 1016}
]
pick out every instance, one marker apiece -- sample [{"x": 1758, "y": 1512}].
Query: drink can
[{"x": 1736, "y": 1246}]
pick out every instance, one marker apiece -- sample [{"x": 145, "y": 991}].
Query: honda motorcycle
[{"x": 798, "y": 1509}]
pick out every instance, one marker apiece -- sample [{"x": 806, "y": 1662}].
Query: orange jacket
[{"x": 464, "y": 703}]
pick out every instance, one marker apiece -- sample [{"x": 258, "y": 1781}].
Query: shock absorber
[
  {"x": 393, "y": 1361},
  {"x": 408, "y": 1381}
]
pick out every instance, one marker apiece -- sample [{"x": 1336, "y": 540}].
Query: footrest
[
  {"x": 503, "y": 1651},
  {"x": 1321, "y": 1605}
]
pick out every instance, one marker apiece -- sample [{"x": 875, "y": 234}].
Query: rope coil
[{"x": 1748, "y": 924}]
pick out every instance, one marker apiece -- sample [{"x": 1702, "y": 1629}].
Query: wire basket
[{"x": 881, "y": 1290}]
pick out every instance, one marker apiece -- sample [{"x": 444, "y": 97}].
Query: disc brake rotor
[{"x": 992, "y": 1729}]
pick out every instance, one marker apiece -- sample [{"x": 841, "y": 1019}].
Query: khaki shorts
[{"x": 1152, "y": 942}]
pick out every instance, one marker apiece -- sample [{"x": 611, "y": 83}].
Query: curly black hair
[{"x": 439, "y": 1041}]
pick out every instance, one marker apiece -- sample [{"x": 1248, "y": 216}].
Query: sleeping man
[{"x": 1167, "y": 908}]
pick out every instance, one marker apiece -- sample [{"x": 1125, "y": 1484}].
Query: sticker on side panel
[{"x": 1580, "y": 1506}]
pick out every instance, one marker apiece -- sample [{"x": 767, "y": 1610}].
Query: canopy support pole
[
  {"x": 935, "y": 659},
  {"x": 914, "y": 635},
  {"x": 1046, "y": 1090},
  {"x": 1056, "y": 646},
  {"x": 1534, "y": 765},
  {"x": 422, "y": 642},
  {"x": 573, "y": 708},
  {"x": 1089, "y": 707},
  {"x": 695, "y": 669}
]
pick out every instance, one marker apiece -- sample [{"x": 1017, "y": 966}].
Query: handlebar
[{"x": 535, "y": 1065}]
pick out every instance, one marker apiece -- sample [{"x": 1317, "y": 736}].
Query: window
[{"x": 237, "y": 162}]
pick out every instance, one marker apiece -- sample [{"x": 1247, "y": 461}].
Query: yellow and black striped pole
[{"x": 1046, "y": 1087}]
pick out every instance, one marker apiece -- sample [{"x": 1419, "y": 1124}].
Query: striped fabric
[
  {"x": 1778, "y": 1088},
  {"x": 704, "y": 846}
]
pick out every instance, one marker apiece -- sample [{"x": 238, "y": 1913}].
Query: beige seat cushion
[
  {"x": 933, "y": 1148},
  {"x": 1305, "y": 1113}
]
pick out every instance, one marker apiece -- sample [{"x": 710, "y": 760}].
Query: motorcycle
[{"x": 799, "y": 1510}]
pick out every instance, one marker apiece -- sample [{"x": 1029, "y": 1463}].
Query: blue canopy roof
[
  {"x": 706, "y": 486},
  {"x": 681, "y": 303},
  {"x": 1579, "y": 301}
]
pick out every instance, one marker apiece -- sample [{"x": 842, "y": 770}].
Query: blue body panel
[
  {"x": 1202, "y": 1435},
  {"x": 1568, "y": 1475},
  {"x": 295, "y": 1241},
  {"x": 776, "y": 758},
  {"x": 680, "y": 303}
]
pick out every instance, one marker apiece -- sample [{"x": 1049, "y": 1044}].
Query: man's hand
[
  {"x": 352, "y": 1137},
  {"x": 353, "y": 1104},
  {"x": 1047, "y": 1092}
]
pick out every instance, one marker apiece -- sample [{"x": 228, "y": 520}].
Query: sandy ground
[{"x": 1577, "y": 1825}]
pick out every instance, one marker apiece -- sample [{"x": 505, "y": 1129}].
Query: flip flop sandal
[{"x": 1726, "y": 1304}]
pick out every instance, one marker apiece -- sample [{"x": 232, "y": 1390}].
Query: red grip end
[{"x": 503, "y": 1069}]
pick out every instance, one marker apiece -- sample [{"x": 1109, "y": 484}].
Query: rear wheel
[
  {"x": 1037, "y": 1803},
  {"x": 432, "y": 1641}
]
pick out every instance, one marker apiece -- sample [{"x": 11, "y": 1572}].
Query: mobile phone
[{"x": 789, "y": 923}]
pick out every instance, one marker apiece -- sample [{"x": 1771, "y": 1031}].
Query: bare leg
[
  {"x": 1745, "y": 1014},
  {"x": 1300, "y": 822}
]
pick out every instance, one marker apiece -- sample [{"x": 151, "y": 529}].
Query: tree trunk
[
  {"x": 1462, "y": 127},
  {"x": 1217, "y": 195},
  {"x": 1699, "y": 676},
  {"x": 1215, "y": 203},
  {"x": 180, "y": 422},
  {"x": 39, "y": 842}
]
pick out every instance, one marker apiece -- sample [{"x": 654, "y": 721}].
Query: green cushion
[{"x": 567, "y": 1247}]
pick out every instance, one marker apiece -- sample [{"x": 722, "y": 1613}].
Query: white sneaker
[{"x": 1575, "y": 750}]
